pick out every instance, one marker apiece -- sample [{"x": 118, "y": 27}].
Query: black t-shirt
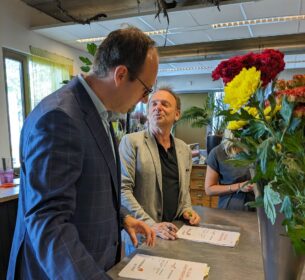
[{"x": 170, "y": 181}]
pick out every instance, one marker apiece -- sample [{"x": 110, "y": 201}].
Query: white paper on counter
[
  {"x": 209, "y": 235},
  {"x": 157, "y": 268}
]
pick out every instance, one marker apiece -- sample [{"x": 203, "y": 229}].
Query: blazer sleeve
[
  {"x": 52, "y": 158},
  {"x": 186, "y": 197},
  {"x": 128, "y": 171}
]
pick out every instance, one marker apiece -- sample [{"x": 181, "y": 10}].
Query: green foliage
[
  {"x": 202, "y": 116},
  {"x": 274, "y": 145},
  {"x": 271, "y": 198},
  {"x": 91, "y": 48}
]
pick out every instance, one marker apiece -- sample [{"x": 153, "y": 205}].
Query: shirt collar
[{"x": 100, "y": 107}]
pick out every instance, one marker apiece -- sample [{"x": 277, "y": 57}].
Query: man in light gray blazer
[{"x": 156, "y": 169}]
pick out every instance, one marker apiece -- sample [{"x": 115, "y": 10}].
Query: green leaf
[
  {"x": 263, "y": 154},
  {"x": 297, "y": 235},
  {"x": 256, "y": 129},
  {"x": 85, "y": 68},
  {"x": 272, "y": 102},
  {"x": 286, "y": 110},
  {"x": 271, "y": 198},
  {"x": 92, "y": 47},
  {"x": 286, "y": 208},
  {"x": 294, "y": 124},
  {"x": 85, "y": 60},
  {"x": 259, "y": 202}
]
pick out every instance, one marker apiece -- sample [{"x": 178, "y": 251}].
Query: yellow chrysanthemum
[
  {"x": 252, "y": 111},
  {"x": 235, "y": 125},
  {"x": 241, "y": 88},
  {"x": 268, "y": 114}
]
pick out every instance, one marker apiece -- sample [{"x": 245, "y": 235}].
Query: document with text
[
  {"x": 147, "y": 267},
  {"x": 209, "y": 235}
]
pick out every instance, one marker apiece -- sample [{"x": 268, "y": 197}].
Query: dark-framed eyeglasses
[{"x": 147, "y": 89}]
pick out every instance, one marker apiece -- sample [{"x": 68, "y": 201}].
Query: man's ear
[
  {"x": 177, "y": 116},
  {"x": 120, "y": 75}
]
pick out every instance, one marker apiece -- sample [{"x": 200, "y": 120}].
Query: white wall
[{"x": 16, "y": 19}]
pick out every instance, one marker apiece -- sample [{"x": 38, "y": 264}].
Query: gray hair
[{"x": 172, "y": 93}]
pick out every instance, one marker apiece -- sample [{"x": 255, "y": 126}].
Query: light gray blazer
[{"x": 141, "y": 190}]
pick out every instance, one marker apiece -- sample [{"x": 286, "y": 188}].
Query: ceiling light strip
[
  {"x": 186, "y": 68},
  {"x": 257, "y": 21}
]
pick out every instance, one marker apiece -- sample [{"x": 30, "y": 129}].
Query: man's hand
[
  {"x": 134, "y": 226},
  {"x": 165, "y": 230},
  {"x": 192, "y": 217}
]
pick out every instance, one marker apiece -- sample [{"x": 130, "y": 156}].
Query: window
[
  {"x": 28, "y": 79},
  {"x": 15, "y": 65},
  {"x": 45, "y": 77}
]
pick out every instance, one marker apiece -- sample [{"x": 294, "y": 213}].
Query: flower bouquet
[{"x": 267, "y": 118}]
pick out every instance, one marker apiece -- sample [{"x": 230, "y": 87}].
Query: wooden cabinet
[{"x": 198, "y": 195}]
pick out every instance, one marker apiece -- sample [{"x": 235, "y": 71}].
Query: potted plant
[
  {"x": 269, "y": 123},
  {"x": 207, "y": 116}
]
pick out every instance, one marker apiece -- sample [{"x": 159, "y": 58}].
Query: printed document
[
  {"x": 209, "y": 235},
  {"x": 157, "y": 268}
]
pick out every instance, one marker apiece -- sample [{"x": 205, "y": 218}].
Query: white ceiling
[{"x": 194, "y": 26}]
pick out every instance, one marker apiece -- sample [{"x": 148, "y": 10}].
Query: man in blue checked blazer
[{"x": 69, "y": 216}]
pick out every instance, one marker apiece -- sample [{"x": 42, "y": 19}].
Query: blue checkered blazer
[{"x": 68, "y": 222}]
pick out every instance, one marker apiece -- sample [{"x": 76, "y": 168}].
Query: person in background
[
  {"x": 156, "y": 170},
  {"x": 69, "y": 214},
  {"x": 229, "y": 182}
]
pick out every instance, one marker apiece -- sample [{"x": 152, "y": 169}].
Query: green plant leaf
[
  {"x": 286, "y": 110},
  {"x": 271, "y": 198},
  {"x": 85, "y": 60},
  {"x": 272, "y": 102},
  {"x": 85, "y": 69},
  {"x": 256, "y": 129},
  {"x": 295, "y": 122},
  {"x": 263, "y": 154},
  {"x": 92, "y": 47},
  {"x": 286, "y": 208},
  {"x": 259, "y": 202}
]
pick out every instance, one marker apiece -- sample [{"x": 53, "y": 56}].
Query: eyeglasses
[{"x": 147, "y": 89}]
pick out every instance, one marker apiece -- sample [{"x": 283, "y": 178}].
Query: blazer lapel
[
  {"x": 181, "y": 166},
  {"x": 97, "y": 129},
  {"x": 153, "y": 148}
]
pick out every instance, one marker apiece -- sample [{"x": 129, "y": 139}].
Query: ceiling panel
[
  {"x": 228, "y": 33},
  {"x": 301, "y": 26},
  {"x": 85, "y": 31},
  {"x": 272, "y": 8},
  {"x": 212, "y": 15},
  {"x": 177, "y": 19},
  {"x": 185, "y": 38},
  {"x": 123, "y": 22},
  {"x": 275, "y": 29}
]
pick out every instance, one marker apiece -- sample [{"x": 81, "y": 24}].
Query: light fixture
[
  {"x": 257, "y": 21},
  {"x": 191, "y": 68},
  {"x": 98, "y": 39}
]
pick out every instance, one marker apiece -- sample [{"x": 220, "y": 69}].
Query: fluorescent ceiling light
[
  {"x": 98, "y": 39},
  {"x": 257, "y": 21},
  {"x": 191, "y": 68}
]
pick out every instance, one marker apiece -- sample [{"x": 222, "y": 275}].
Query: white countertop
[{"x": 7, "y": 194}]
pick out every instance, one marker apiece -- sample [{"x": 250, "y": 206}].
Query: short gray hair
[{"x": 171, "y": 92}]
